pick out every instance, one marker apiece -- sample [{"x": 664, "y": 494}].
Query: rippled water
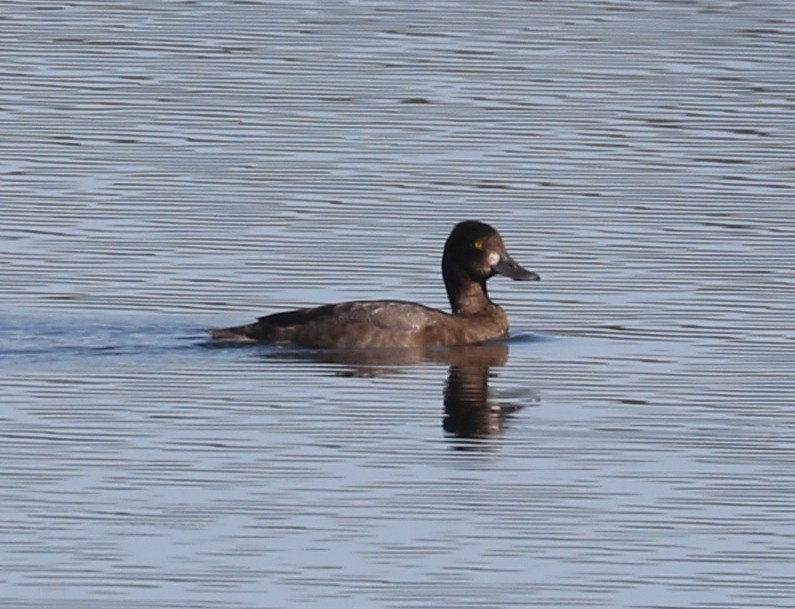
[{"x": 172, "y": 166}]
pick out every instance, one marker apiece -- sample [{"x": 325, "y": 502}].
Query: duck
[{"x": 473, "y": 253}]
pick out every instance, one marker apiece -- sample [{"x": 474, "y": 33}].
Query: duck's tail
[{"x": 240, "y": 334}]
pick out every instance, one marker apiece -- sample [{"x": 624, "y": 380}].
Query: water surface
[{"x": 175, "y": 166}]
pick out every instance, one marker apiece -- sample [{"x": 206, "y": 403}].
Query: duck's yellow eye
[{"x": 478, "y": 245}]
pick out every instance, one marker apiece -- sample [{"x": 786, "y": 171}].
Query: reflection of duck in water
[
  {"x": 474, "y": 252},
  {"x": 469, "y": 412}
]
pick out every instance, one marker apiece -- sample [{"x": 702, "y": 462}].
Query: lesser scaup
[{"x": 474, "y": 252}]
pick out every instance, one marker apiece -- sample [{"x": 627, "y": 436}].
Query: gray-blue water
[{"x": 171, "y": 166}]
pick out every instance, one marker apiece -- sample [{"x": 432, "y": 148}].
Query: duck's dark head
[{"x": 473, "y": 253}]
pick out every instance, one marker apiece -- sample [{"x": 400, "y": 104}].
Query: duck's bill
[{"x": 510, "y": 268}]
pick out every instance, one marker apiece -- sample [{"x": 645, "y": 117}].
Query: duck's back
[{"x": 361, "y": 324}]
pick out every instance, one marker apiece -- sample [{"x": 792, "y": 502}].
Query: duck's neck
[{"x": 466, "y": 295}]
